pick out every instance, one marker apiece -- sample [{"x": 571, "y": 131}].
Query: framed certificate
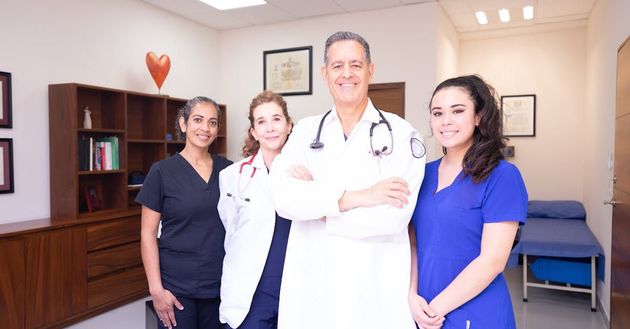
[
  {"x": 519, "y": 115},
  {"x": 288, "y": 71}
]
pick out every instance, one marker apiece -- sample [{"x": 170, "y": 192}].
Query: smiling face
[
  {"x": 347, "y": 73},
  {"x": 202, "y": 126},
  {"x": 270, "y": 127},
  {"x": 453, "y": 118}
]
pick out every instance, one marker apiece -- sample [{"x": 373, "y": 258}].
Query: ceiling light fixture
[
  {"x": 528, "y": 12},
  {"x": 233, "y": 4},
  {"x": 504, "y": 15},
  {"x": 481, "y": 17}
]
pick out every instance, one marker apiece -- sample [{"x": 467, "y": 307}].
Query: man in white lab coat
[{"x": 349, "y": 180}]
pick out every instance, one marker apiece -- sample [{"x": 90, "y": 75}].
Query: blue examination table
[{"x": 567, "y": 255}]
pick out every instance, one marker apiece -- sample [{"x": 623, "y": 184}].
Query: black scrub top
[{"x": 191, "y": 244}]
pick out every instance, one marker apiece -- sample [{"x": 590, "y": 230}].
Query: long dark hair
[{"x": 485, "y": 152}]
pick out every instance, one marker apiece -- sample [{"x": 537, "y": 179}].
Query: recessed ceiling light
[
  {"x": 528, "y": 12},
  {"x": 481, "y": 18},
  {"x": 233, "y": 4},
  {"x": 504, "y": 15}
]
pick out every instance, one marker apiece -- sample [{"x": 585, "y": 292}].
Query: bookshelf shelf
[{"x": 101, "y": 172}]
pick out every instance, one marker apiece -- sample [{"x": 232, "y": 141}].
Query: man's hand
[{"x": 392, "y": 191}]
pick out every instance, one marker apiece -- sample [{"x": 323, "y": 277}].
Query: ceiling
[{"x": 461, "y": 12}]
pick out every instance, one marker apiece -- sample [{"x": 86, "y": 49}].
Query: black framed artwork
[
  {"x": 5, "y": 100},
  {"x": 519, "y": 115},
  {"x": 6, "y": 165},
  {"x": 288, "y": 71}
]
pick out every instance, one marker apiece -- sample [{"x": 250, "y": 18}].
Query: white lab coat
[
  {"x": 249, "y": 230},
  {"x": 352, "y": 270}
]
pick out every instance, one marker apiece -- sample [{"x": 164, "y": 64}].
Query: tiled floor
[
  {"x": 550, "y": 309},
  {"x": 546, "y": 309}
]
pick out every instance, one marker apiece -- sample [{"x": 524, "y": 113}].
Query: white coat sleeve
[
  {"x": 298, "y": 199},
  {"x": 227, "y": 206},
  {"x": 366, "y": 222}
]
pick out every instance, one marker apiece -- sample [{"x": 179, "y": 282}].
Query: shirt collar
[{"x": 370, "y": 114}]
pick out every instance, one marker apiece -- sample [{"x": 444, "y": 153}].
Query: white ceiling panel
[
  {"x": 303, "y": 8},
  {"x": 261, "y": 15},
  {"x": 560, "y": 8},
  {"x": 201, "y": 13},
  {"x": 363, "y": 5}
]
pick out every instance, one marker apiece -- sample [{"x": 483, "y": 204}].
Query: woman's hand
[
  {"x": 163, "y": 302},
  {"x": 423, "y": 314}
]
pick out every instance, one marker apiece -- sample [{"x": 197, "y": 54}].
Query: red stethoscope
[{"x": 240, "y": 187}]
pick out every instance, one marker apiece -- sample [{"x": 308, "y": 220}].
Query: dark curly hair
[
  {"x": 485, "y": 152},
  {"x": 251, "y": 145}
]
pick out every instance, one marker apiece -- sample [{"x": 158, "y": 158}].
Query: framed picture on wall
[
  {"x": 519, "y": 115},
  {"x": 5, "y": 100},
  {"x": 6, "y": 165},
  {"x": 288, "y": 71}
]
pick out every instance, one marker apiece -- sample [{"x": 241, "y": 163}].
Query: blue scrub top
[
  {"x": 191, "y": 244},
  {"x": 448, "y": 227}
]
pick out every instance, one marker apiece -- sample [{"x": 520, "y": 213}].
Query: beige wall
[
  {"x": 608, "y": 27},
  {"x": 552, "y": 66},
  {"x": 403, "y": 48},
  {"x": 98, "y": 42}
]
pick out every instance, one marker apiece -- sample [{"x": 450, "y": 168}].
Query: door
[
  {"x": 620, "y": 268},
  {"x": 388, "y": 97}
]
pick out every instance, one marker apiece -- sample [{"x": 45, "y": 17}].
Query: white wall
[
  {"x": 608, "y": 27},
  {"x": 447, "y": 54},
  {"x": 552, "y": 66},
  {"x": 98, "y": 42},
  {"x": 402, "y": 42}
]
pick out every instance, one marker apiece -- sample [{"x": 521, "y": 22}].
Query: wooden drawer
[
  {"x": 113, "y": 259},
  {"x": 113, "y": 233},
  {"x": 117, "y": 286}
]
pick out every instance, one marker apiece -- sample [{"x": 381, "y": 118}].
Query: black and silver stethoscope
[
  {"x": 385, "y": 150},
  {"x": 240, "y": 175}
]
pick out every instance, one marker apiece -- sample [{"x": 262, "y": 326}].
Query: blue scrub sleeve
[
  {"x": 506, "y": 195},
  {"x": 152, "y": 193}
]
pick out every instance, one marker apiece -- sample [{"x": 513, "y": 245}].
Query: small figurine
[{"x": 87, "y": 120}]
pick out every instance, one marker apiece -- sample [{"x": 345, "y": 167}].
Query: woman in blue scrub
[
  {"x": 469, "y": 208},
  {"x": 183, "y": 266},
  {"x": 256, "y": 237}
]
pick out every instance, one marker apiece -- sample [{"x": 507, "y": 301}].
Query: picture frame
[
  {"x": 288, "y": 71},
  {"x": 6, "y": 118},
  {"x": 519, "y": 115},
  {"x": 6, "y": 166}
]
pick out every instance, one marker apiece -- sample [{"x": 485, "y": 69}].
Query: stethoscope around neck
[
  {"x": 318, "y": 144},
  {"x": 250, "y": 163}
]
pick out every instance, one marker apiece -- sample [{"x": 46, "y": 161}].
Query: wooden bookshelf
[{"x": 140, "y": 122}]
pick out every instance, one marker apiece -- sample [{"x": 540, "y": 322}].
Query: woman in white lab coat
[{"x": 256, "y": 237}]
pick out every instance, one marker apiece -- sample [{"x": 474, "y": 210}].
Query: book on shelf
[
  {"x": 98, "y": 153},
  {"x": 91, "y": 198}
]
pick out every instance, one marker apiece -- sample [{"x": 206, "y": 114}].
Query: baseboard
[{"x": 602, "y": 312}]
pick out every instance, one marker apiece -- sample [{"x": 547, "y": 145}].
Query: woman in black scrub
[{"x": 183, "y": 266}]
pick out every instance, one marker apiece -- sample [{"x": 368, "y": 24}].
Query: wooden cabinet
[
  {"x": 12, "y": 283},
  {"x": 135, "y": 124},
  {"x": 56, "y": 278}
]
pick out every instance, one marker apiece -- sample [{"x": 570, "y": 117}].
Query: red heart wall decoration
[{"x": 158, "y": 67}]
